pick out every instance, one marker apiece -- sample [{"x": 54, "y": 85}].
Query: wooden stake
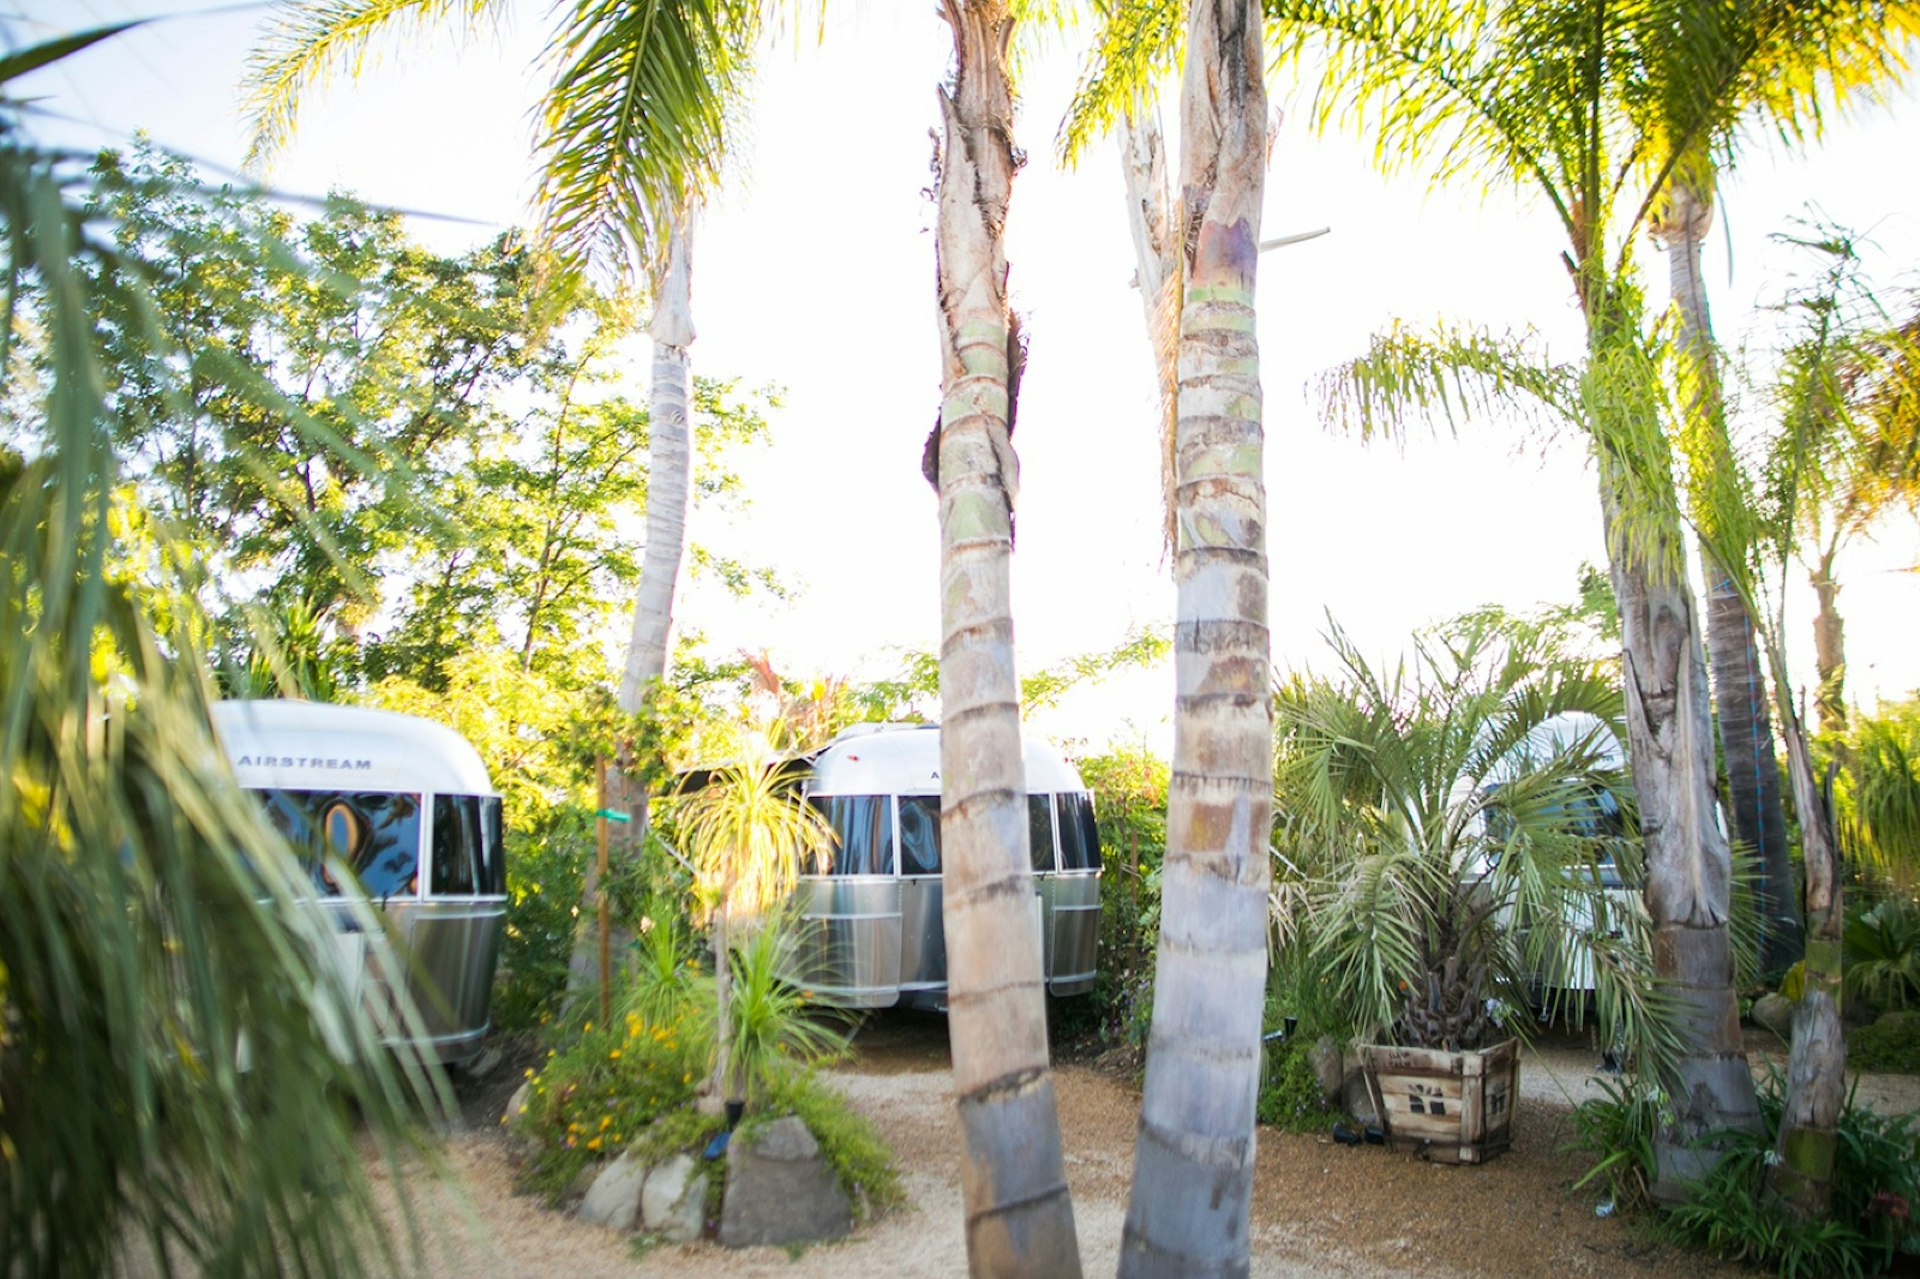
[{"x": 601, "y": 906}]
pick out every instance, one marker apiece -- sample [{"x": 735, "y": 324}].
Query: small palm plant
[
  {"x": 749, "y": 835},
  {"x": 1437, "y": 832}
]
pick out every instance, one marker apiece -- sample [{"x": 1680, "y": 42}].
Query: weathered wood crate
[{"x": 1450, "y": 1107}]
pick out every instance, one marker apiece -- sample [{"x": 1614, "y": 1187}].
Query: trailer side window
[
  {"x": 1040, "y": 831},
  {"x": 919, "y": 834},
  {"x": 865, "y": 830},
  {"x": 456, "y": 845},
  {"x": 493, "y": 848},
  {"x": 376, "y": 833},
  {"x": 1079, "y": 839}
]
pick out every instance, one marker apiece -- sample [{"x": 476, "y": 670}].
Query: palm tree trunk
[
  {"x": 1829, "y": 648},
  {"x": 669, "y": 490},
  {"x": 1143, "y": 167},
  {"x": 1193, "y": 1157},
  {"x": 669, "y": 469},
  {"x": 1808, "y": 1141},
  {"x": 1670, "y": 747},
  {"x": 1019, "y": 1210},
  {"x": 1739, "y": 684}
]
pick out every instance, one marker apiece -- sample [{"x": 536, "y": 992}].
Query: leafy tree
[{"x": 319, "y": 368}]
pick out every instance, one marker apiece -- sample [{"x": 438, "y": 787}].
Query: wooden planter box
[{"x": 1450, "y": 1107}]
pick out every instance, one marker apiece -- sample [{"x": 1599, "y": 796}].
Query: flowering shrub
[{"x": 595, "y": 1096}]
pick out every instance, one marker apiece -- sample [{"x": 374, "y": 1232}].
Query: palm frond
[
  {"x": 310, "y": 42},
  {"x": 1138, "y": 44},
  {"x": 1446, "y": 376},
  {"x": 637, "y": 121}
]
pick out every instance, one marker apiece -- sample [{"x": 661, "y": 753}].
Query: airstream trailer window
[
  {"x": 919, "y": 834},
  {"x": 374, "y": 832},
  {"x": 493, "y": 847},
  {"x": 1079, "y": 840},
  {"x": 457, "y": 845},
  {"x": 865, "y": 828},
  {"x": 1040, "y": 831}
]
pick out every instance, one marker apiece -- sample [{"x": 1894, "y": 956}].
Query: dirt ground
[{"x": 1319, "y": 1209}]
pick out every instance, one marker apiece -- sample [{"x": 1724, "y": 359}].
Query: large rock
[
  {"x": 613, "y": 1200},
  {"x": 780, "y": 1190},
  {"x": 673, "y": 1203}
]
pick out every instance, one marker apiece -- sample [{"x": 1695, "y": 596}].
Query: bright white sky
[{"x": 814, "y": 270}]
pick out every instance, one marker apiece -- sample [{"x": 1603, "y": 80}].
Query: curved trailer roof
[
  {"x": 290, "y": 745},
  {"x": 904, "y": 759}
]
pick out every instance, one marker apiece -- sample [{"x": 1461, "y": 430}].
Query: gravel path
[{"x": 1319, "y": 1209}]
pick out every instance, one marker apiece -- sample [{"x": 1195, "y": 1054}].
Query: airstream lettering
[
  {"x": 874, "y": 936},
  {"x": 406, "y": 803}
]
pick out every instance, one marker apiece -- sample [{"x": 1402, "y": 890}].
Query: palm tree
[
  {"x": 1851, "y": 387},
  {"x": 1534, "y": 94},
  {"x": 179, "y": 1067},
  {"x": 1775, "y": 63},
  {"x": 1446, "y": 823},
  {"x": 1019, "y": 1210}
]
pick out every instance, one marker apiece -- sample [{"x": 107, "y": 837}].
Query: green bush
[
  {"x": 1290, "y": 1094},
  {"x": 1891, "y": 1044},
  {"x": 1881, "y": 947},
  {"x": 604, "y": 1090},
  {"x": 1130, "y": 808},
  {"x": 1876, "y": 1187},
  {"x": 545, "y": 866}
]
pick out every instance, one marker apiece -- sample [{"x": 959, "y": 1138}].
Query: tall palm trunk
[
  {"x": 1670, "y": 748},
  {"x": 1019, "y": 1211},
  {"x": 669, "y": 490},
  {"x": 1143, "y": 168},
  {"x": 1829, "y": 644},
  {"x": 1193, "y": 1158},
  {"x": 1808, "y": 1142},
  {"x": 1739, "y": 682},
  {"x": 669, "y": 467}
]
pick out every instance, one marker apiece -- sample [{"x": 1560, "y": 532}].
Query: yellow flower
[
  {"x": 614, "y": 1055},
  {"x": 606, "y": 1122},
  {"x": 593, "y": 1143}
]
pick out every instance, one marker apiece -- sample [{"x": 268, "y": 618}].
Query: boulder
[
  {"x": 780, "y": 1190},
  {"x": 613, "y": 1200},
  {"x": 673, "y": 1203},
  {"x": 1775, "y": 1012}
]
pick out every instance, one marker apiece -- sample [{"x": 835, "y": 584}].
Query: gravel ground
[{"x": 1319, "y": 1208}]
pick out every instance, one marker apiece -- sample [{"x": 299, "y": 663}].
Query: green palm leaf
[{"x": 638, "y": 119}]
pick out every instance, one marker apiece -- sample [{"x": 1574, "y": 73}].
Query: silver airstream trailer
[
  {"x": 406, "y": 803},
  {"x": 872, "y": 935}
]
